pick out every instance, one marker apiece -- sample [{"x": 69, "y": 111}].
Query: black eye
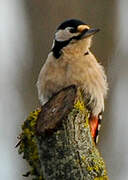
[{"x": 73, "y": 30}]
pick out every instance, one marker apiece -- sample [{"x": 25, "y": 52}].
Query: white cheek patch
[{"x": 64, "y": 35}]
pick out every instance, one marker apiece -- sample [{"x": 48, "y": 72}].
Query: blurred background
[{"x": 26, "y": 32}]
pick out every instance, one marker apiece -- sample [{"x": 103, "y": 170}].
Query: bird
[{"x": 71, "y": 62}]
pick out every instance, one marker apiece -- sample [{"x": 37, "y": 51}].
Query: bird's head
[{"x": 72, "y": 35}]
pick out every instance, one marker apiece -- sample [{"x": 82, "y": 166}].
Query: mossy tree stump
[{"x": 61, "y": 134}]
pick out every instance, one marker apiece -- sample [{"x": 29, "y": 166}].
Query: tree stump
[{"x": 62, "y": 140}]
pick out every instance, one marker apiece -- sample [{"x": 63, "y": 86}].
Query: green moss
[{"x": 28, "y": 145}]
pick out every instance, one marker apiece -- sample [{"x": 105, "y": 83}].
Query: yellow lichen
[
  {"x": 86, "y": 124},
  {"x": 83, "y": 158},
  {"x": 79, "y": 105},
  {"x": 101, "y": 178},
  {"x": 97, "y": 164},
  {"x": 90, "y": 168},
  {"x": 28, "y": 145}
]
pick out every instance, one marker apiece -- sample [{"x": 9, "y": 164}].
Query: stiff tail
[{"x": 95, "y": 125}]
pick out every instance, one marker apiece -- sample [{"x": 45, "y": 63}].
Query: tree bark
[
  {"x": 65, "y": 146},
  {"x": 57, "y": 143}
]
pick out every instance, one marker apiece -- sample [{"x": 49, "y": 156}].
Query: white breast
[
  {"x": 90, "y": 75},
  {"x": 82, "y": 71}
]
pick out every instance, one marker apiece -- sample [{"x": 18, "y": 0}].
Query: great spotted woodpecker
[{"x": 70, "y": 62}]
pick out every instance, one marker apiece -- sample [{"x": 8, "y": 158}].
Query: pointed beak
[
  {"x": 90, "y": 32},
  {"x": 86, "y": 31}
]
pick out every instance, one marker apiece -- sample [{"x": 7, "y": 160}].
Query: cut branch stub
[
  {"x": 56, "y": 109},
  {"x": 69, "y": 152}
]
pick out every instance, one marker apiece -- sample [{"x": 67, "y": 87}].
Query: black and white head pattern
[{"x": 66, "y": 33}]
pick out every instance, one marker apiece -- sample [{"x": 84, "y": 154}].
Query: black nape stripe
[
  {"x": 73, "y": 23},
  {"x": 58, "y": 46}
]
